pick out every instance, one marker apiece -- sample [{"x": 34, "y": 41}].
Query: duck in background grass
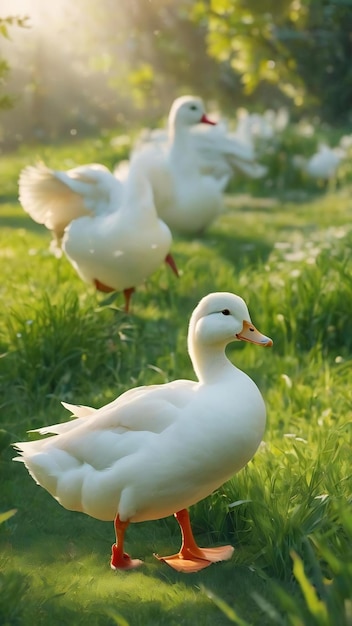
[
  {"x": 107, "y": 227},
  {"x": 218, "y": 153},
  {"x": 188, "y": 170},
  {"x": 187, "y": 200},
  {"x": 323, "y": 165},
  {"x": 157, "y": 450},
  {"x": 118, "y": 251}
]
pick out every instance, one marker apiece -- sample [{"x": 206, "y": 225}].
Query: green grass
[{"x": 287, "y": 513}]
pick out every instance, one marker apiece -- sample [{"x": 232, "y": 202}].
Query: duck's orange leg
[
  {"x": 128, "y": 294},
  {"x": 102, "y": 287},
  {"x": 119, "y": 558},
  {"x": 192, "y": 558},
  {"x": 106, "y": 289},
  {"x": 170, "y": 261}
]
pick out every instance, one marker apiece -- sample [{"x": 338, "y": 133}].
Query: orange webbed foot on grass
[
  {"x": 191, "y": 558},
  {"x": 122, "y": 560},
  {"x": 189, "y": 564}
]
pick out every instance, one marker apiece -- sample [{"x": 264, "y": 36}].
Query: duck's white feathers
[
  {"x": 78, "y": 411},
  {"x": 103, "y": 441},
  {"x": 158, "y": 437},
  {"x": 123, "y": 412},
  {"x": 221, "y": 154},
  {"x": 186, "y": 199},
  {"x": 218, "y": 153},
  {"x": 121, "y": 249},
  {"x": 156, "y": 450},
  {"x": 55, "y": 198},
  {"x": 323, "y": 164}
]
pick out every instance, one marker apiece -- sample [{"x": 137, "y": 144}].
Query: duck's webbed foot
[
  {"x": 119, "y": 558},
  {"x": 122, "y": 560},
  {"x": 192, "y": 558}
]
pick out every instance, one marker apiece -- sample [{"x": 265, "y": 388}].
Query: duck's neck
[
  {"x": 211, "y": 363},
  {"x": 180, "y": 144},
  {"x": 138, "y": 201}
]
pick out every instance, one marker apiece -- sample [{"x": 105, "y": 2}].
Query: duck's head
[
  {"x": 188, "y": 111},
  {"x": 219, "y": 319}
]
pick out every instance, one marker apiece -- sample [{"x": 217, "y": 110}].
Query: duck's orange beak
[
  {"x": 251, "y": 334},
  {"x": 205, "y": 120}
]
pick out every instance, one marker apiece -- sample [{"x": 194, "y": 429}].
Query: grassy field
[{"x": 288, "y": 513}]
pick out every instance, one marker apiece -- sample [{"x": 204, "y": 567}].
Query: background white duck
[
  {"x": 323, "y": 164},
  {"x": 186, "y": 200},
  {"x": 118, "y": 251},
  {"x": 55, "y": 198},
  {"x": 155, "y": 451},
  {"x": 220, "y": 153}
]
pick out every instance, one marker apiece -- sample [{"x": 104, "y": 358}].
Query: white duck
[
  {"x": 220, "y": 154},
  {"x": 322, "y": 165},
  {"x": 157, "y": 450},
  {"x": 120, "y": 250},
  {"x": 185, "y": 199},
  {"x": 55, "y": 198}
]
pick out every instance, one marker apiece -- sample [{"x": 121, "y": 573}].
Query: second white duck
[
  {"x": 55, "y": 197},
  {"x": 220, "y": 154},
  {"x": 187, "y": 200},
  {"x": 120, "y": 250}
]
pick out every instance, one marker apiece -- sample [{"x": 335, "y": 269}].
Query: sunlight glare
[{"x": 39, "y": 12}]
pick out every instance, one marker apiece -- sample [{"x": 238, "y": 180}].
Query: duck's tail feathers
[{"x": 78, "y": 410}]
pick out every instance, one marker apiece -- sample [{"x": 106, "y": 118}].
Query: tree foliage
[
  {"x": 154, "y": 49},
  {"x": 303, "y": 47},
  {"x": 6, "y": 101},
  {"x": 93, "y": 65}
]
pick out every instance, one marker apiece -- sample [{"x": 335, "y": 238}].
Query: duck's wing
[
  {"x": 156, "y": 138},
  {"x": 55, "y": 198},
  {"x": 80, "y": 412},
  {"x": 98, "y": 440},
  {"x": 218, "y": 149},
  {"x": 150, "y": 408},
  {"x": 121, "y": 170}
]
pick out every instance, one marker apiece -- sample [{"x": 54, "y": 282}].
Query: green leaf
[
  {"x": 5, "y": 516},
  {"x": 117, "y": 618},
  {"x": 3, "y": 30},
  {"x": 268, "y": 608},
  {"x": 225, "y": 608},
  {"x": 316, "y": 606}
]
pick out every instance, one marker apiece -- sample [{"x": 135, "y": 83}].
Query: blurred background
[{"x": 75, "y": 69}]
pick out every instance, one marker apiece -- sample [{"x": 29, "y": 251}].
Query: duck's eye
[{"x": 225, "y": 312}]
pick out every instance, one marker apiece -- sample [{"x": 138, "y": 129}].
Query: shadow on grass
[
  {"x": 21, "y": 222},
  {"x": 73, "y": 578},
  {"x": 240, "y": 250},
  {"x": 8, "y": 198},
  {"x": 62, "y": 560}
]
